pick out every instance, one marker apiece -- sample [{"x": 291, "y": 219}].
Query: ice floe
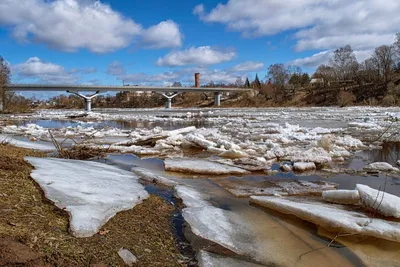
[
  {"x": 304, "y": 166},
  {"x": 26, "y": 143},
  {"x": 191, "y": 197},
  {"x": 384, "y": 203},
  {"x": 200, "y": 166},
  {"x": 268, "y": 187},
  {"x": 91, "y": 192},
  {"x": 153, "y": 177},
  {"x": 208, "y": 259},
  {"x": 332, "y": 217},
  {"x": 341, "y": 196},
  {"x": 223, "y": 227},
  {"x": 380, "y": 166}
]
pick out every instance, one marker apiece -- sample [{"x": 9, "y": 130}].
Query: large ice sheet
[
  {"x": 332, "y": 217},
  {"x": 223, "y": 227},
  {"x": 151, "y": 176},
  {"x": 26, "y": 144},
  {"x": 385, "y": 203},
  {"x": 269, "y": 187},
  {"x": 191, "y": 197},
  {"x": 208, "y": 259},
  {"x": 200, "y": 166},
  {"x": 90, "y": 192}
]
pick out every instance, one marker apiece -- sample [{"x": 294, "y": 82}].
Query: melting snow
[{"x": 91, "y": 192}]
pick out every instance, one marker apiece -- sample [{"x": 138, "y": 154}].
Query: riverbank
[{"x": 33, "y": 231}]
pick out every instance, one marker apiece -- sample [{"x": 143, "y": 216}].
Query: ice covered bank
[
  {"x": 91, "y": 192},
  {"x": 332, "y": 217},
  {"x": 26, "y": 143}
]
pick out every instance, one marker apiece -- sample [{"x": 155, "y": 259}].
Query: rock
[
  {"x": 398, "y": 163},
  {"x": 341, "y": 196},
  {"x": 384, "y": 203},
  {"x": 127, "y": 256}
]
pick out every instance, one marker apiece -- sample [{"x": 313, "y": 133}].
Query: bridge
[{"x": 167, "y": 92}]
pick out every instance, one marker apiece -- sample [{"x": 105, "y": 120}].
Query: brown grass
[{"x": 27, "y": 216}]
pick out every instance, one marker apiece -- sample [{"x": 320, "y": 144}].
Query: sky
[{"x": 158, "y": 42}]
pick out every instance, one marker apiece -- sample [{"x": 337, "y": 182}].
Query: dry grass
[{"x": 27, "y": 216}]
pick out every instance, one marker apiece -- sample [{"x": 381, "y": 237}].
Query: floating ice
[
  {"x": 150, "y": 176},
  {"x": 191, "y": 197},
  {"x": 200, "y": 166},
  {"x": 341, "y": 196},
  {"x": 243, "y": 188},
  {"x": 234, "y": 154},
  {"x": 332, "y": 217},
  {"x": 199, "y": 140},
  {"x": 380, "y": 166},
  {"x": 208, "y": 259},
  {"x": 223, "y": 227},
  {"x": 91, "y": 192},
  {"x": 304, "y": 166},
  {"x": 316, "y": 154},
  {"x": 26, "y": 144},
  {"x": 385, "y": 203}
]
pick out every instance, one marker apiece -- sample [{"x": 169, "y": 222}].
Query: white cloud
[
  {"x": 116, "y": 68},
  {"x": 314, "y": 60},
  {"x": 44, "y": 72},
  {"x": 324, "y": 56},
  {"x": 182, "y": 75},
  {"x": 248, "y": 66},
  {"x": 318, "y": 24},
  {"x": 166, "y": 34},
  {"x": 70, "y": 25},
  {"x": 200, "y": 56}
]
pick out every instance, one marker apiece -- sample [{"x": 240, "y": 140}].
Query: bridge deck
[{"x": 107, "y": 88}]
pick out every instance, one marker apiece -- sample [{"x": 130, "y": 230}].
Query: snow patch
[{"x": 91, "y": 192}]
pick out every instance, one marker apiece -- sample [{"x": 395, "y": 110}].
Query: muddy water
[{"x": 285, "y": 240}]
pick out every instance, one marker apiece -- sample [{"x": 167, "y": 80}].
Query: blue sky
[{"x": 159, "y": 42}]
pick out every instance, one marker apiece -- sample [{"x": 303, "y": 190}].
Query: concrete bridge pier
[
  {"x": 217, "y": 99},
  {"x": 169, "y": 96},
  {"x": 87, "y": 99}
]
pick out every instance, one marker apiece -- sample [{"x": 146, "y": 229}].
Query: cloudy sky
[{"x": 159, "y": 42}]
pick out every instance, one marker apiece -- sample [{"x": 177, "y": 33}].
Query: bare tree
[
  {"x": 278, "y": 74},
  {"x": 4, "y": 79},
  {"x": 325, "y": 72},
  {"x": 384, "y": 57},
  {"x": 344, "y": 63}
]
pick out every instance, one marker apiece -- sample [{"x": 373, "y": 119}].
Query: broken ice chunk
[
  {"x": 332, "y": 217},
  {"x": 380, "y": 166},
  {"x": 200, "y": 166},
  {"x": 208, "y": 259},
  {"x": 304, "y": 166},
  {"x": 191, "y": 197},
  {"x": 385, "y": 203},
  {"x": 341, "y": 196}
]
